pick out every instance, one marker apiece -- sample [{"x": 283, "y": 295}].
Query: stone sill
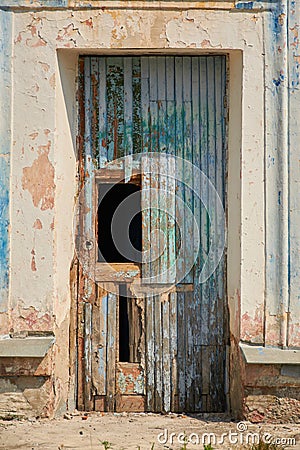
[
  {"x": 28, "y": 347},
  {"x": 255, "y": 354}
]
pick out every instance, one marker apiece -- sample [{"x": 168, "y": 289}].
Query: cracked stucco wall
[{"x": 38, "y": 149}]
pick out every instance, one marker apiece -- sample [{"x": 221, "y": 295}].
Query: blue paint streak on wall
[
  {"x": 244, "y": 5},
  {"x": 5, "y": 142},
  {"x": 276, "y": 23},
  {"x": 35, "y": 3},
  {"x": 278, "y": 81}
]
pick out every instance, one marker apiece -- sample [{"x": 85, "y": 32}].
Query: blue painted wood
[
  {"x": 150, "y": 353},
  {"x": 5, "y": 146},
  {"x": 174, "y": 105},
  {"x": 111, "y": 350},
  {"x": 102, "y": 105},
  {"x": 115, "y": 107},
  {"x": 102, "y": 346}
]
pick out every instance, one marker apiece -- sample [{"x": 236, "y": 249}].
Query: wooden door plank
[
  {"x": 128, "y": 116},
  {"x": 102, "y": 350},
  {"x": 191, "y": 355},
  {"x": 145, "y": 104},
  {"x": 88, "y": 356},
  {"x": 154, "y": 168},
  {"x": 150, "y": 352},
  {"x": 111, "y": 350},
  {"x": 181, "y": 351},
  {"x": 158, "y": 353},
  {"x": 220, "y": 176},
  {"x": 187, "y": 173},
  {"x": 137, "y": 99},
  {"x": 94, "y": 76},
  {"x": 204, "y": 228},
  {"x": 146, "y": 219},
  {"x": 115, "y": 107},
  {"x": 166, "y": 363},
  {"x": 173, "y": 351},
  {"x": 211, "y": 109},
  {"x": 102, "y": 112}
]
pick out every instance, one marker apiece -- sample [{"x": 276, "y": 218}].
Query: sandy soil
[{"x": 138, "y": 431}]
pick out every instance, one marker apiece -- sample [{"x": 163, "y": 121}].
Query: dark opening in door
[{"x": 119, "y": 223}]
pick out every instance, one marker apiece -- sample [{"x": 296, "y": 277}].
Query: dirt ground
[{"x": 141, "y": 431}]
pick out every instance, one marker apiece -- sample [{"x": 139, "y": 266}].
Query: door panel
[{"x": 157, "y": 104}]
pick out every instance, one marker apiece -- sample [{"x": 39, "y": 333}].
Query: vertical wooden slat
[
  {"x": 158, "y": 353},
  {"x": 211, "y": 126},
  {"x": 162, "y": 178},
  {"x": 196, "y": 323},
  {"x": 146, "y": 218},
  {"x": 173, "y": 350},
  {"x": 102, "y": 351},
  {"x": 94, "y": 109},
  {"x": 188, "y": 175},
  {"x": 102, "y": 112},
  {"x": 145, "y": 104},
  {"x": 115, "y": 107},
  {"x": 128, "y": 115},
  {"x": 204, "y": 228},
  {"x": 171, "y": 183},
  {"x": 111, "y": 350},
  {"x": 190, "y": 356},
  {"x": 154, "y": 164},
  {"x": 137, "y": 102},
  {"x": 179, "y": 143},
  {"x": 150, "y": 352},
  {"x": 87, "y": 232},
  {"x": 88, "y": 356},
  {"x": 181, "y": 350},
  {"x": 166, "y": 365},
  {"x": 219, "y": 139}
]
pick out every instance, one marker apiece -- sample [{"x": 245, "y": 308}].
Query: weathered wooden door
[{"x": 152, "y": 330}]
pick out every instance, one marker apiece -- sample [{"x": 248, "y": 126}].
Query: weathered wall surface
[{"x": 38, "y": 146}]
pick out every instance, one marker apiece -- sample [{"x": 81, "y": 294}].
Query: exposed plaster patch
[
  {"x": 33, "y": 136},
  {"x": 252, "y": 327},
  {"x": 33, "y": 264},
  {"x": 294, "y": 335},
  {"x": 26, "y": 319},
  {"x": 188, "y": 32},
  {"x": 44, "y": 66},
  {"x": 36, "y": 41},
  {"x": 39, "y": 179},
  {"x": 88, "y": 22},
  {"x": 68, "y": 33},
  {"x": 37, "y": 225},
  {"x": 52, "y": 81}
]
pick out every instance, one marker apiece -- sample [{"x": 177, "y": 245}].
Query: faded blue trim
[
  {"x": 5, "y": 143},
  {"x": 260, "y": 5},
  {"x": 244, "y": 5},
  {"x": 34, "y": 4}
]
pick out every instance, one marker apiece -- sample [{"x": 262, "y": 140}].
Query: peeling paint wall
[{"x": 38, "y": 155}]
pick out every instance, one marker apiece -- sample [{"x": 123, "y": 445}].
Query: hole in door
[
  {"x": 119, "y": 223},
  {"x": 130, "y": 327}
]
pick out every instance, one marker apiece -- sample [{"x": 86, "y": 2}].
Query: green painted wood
[
  {"x": 150, "y": 354},
  {"x": 170, "y": 104},
  {"x": 111, "y": 350},
  {"x": 102, "y": 113},
  {"x": 115, "y": 107}
]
